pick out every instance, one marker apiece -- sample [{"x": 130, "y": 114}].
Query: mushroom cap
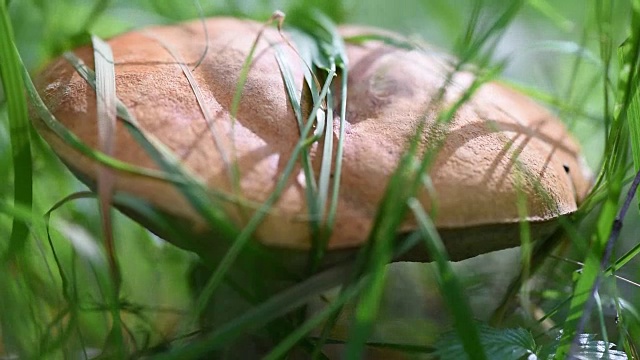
[{"x": 498, "y": 145}]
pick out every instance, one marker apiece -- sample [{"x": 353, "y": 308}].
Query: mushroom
[{"x": 499, "y": 144}]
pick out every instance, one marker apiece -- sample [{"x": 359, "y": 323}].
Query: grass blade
[
  {"x": 19, "y": 127},
  {"x": 106, "y": 107},
  {"x": 608, "y": 222},
  {"x": 450, "y": 287},
  {"x": 262, "y": 314},
  {"x": 336, "y": 304}
]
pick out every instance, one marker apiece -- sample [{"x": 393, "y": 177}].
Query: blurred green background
[{"x": 551, "y": 51}]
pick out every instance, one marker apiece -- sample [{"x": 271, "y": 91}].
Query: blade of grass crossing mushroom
[
  {"x": 246, "y": 66},
  {"x": 403, "y": 184},
  {"x": 72, "y": 140},
  {"x": 450, "y": 287},
  {"x": 189, "y": 186},
  {"x": 310, "y": 183},
  {"x": 337, "y": 175},
  {"x": 337, "y": 53},
  {"x": 324, "y": 180},
  {"x": 13, "y": 85},
  {"x": 330, "y": 56},
  {"x": 379, "y": 252},
  {"x": 245, "y": 235},
  {"x": 106, "y": 102},
  {"x": 230, "y": 164}
]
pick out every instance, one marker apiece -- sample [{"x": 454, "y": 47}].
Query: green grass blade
[
  {"x": 450, "y": 287},
  {"x": 337, "y": 175},
  {"x": 327, "y": 156},
  {"x": 72, "y": 140},
  {"x": 106, "y": 108},
  {"x": 328, "y": 54},
  {"x": 631, "y": 58},
  {"x": 262, "y": 314},
  {"x": 623, "y": 260},
  {"x": 544, "y": 7},
  {"x": 192, "y": 189},
  {"x": 614, "y": 172},
  {"x": 245, "y": 235},
  {"x": 19, "y": 127},
  {"x": 475, "y": 38},
  {"x": 230, "y": 164},
  {"x": 292, "y": 92},
  {"x": 379, "y": 252}
]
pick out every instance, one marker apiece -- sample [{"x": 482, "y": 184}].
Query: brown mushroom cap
[{"x": 498, "y": 144}]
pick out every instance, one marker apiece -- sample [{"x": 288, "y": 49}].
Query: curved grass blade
[
  {"x": 19, "y": 127},
  {"x": 330, "y": 55},
  {"x": 310, "y": 181},
  {"x": 72, "y": 140},
  {"x": 245, "y": 235},
  {"x": 190, "y": 187},
  {"x": 450, "y": 288},
  {"x": 106, "y": 104},
  {"x": 609, "y": 221},
  {"x": 402, "y": 186},
  {"x": 273, "y": 308},
  {"x": 230, "y": 164},
  {"x": 349, "y": 293}
]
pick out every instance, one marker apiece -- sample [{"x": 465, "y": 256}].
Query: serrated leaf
[
  {"x": 498, "y": 344},
  {"x": 589, "y": 348}
]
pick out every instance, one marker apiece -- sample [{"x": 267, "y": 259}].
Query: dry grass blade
[
  {"x": 230, "y": 161},
  {"x": 106, "y": 102}
]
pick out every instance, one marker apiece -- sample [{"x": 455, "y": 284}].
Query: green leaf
[
  {"x": 504, "y": 344},
  {"x": 589, "y": 348}
]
